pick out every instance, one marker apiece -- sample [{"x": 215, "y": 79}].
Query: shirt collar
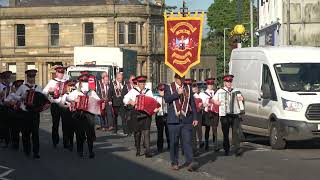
[{"x": 177, "y": 86}]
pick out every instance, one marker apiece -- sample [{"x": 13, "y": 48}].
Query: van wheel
[{"x": 276, "y": 138}]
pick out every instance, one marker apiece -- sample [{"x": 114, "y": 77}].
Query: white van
[{"x": 281, "y": 87}]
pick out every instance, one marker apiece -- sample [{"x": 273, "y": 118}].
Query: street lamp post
[{"x": 224, "y": 50}]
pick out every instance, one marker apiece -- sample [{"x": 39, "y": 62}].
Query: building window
[
  {"x": 21, "y": 35},
  {"x": 132, "y": 33},
  {"x": 201, "y": 75},
  {"x": 141, "y": 34},
  {"x": 193, "y": 74},
  {"x": 13, "y": 68},
  {"x": 88, "y": 34},
  {"x": 54, "y": 34},
  {"x": 121, "y": 32},
  {"x": 208, "y": 74},
  {"x": 30, "y": 66}
]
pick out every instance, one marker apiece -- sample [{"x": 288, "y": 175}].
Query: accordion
[
  {"x": 230, "y": 104},
  {"x": 211, "y": 106},
  {"x": 36, "y": 101},
  {"x": 146, "y": 104},
  {"x": 88, "y": 104},
  {"x": 59, "y": 90},
  {"x": 198, "y": 102}
]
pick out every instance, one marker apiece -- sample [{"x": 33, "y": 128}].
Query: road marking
[{"x": 6, "y": 173}]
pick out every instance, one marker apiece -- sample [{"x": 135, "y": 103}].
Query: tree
[{"x": 223, "y": 14}]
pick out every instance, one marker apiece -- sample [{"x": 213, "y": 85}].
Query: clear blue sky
[{"x": 193, "y": 5}]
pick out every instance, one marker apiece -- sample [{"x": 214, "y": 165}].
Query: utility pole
[
  {"x": 239, "y": 20},
  {"x": 251, "y": 21},
  {"x": 288, "y": 22}
]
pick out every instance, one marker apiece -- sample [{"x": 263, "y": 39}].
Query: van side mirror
[{"x": 266, "y": 92}]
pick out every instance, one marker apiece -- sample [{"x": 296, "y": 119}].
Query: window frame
[
  {"x": 88, "y": 34},
  {"x": 122, "y": 34},
  {"x": 18, "y": 36},
  {"x": 267, "y": 79},
  {"x": 132, "y": 33},
  {"x": 56, "y": 35}
]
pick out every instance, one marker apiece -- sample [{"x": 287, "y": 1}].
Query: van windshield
[
  {"x": 75, "y": 74},
  {"x": 302, "y": 77}
]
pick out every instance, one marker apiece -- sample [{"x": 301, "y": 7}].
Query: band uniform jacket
[
  {"x": 170, "y": 98},
  {"x": 117, "y": 100}
]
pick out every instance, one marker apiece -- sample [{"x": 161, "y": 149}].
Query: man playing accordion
[
  {"x": 31, "y": 116},
  {"x": 141, "y": 115},
  {"x": 55, "y": 90},
  {"x": 229, "y": 113},
  {"x": 5, "y": 86},
  {"x": 86, "y": 105}
]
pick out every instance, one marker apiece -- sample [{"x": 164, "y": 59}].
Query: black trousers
[
  {"x": 69, "y": 127},
  {"x": 162, "y": 126},
  {"x": 57, "y": 114},
  {"x": 120, "y": 111},
  {"x": 16, "y": 119},
  {"x": 196, "y": 132},
  {"x": 214, "y": 127},
  {"x": 232, "y": 121},
  {"x": 85, "y": 131},
  {"x": 146, "y": 140},
  {"x": 31, "y": 130}
]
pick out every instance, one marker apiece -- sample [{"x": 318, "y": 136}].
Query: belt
[{"x": 173, "y": 123}]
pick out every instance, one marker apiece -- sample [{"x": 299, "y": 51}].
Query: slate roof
[{"x": 31, "y": 3}]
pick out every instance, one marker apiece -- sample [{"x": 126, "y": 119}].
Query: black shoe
[
  {"x": 70, "y": 148},
  {"x": 148, "y": 155},
  {"x": 226, "y": 153},
  {"x": 54, "y": 146},
  {"x": 196, "y": 153},
  {"x": 160, "y": 150},
  {"x": 36, "y": 156},
  {"x": 92, "y": 155},
  {"x": 193, "y": 166},
  {"x": 206, "y": 148},
  {"x": 80, "y": 154},
  {"x": 201, "y": 145},
  {"x": 138, "y": 153},
  {"x": 65, "y": 146},
  {"x": 5, "y": 146},
  {"x": 27, "y": 154},
  {"x": 238, "y": 152}
]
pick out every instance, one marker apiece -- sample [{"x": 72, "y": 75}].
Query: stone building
[
  {"x": 289, "y": 22},
  {"x": 42, "y": 33}
]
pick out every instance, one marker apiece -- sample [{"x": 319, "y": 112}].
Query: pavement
[{"x": 115, "y": 159}]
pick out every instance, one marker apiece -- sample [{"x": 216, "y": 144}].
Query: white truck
[
  {"x": 96, "y": 60},
  {"x": 281, "y": 87}
]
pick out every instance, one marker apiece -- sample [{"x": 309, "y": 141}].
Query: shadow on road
[{"x": 64, "y": 165}]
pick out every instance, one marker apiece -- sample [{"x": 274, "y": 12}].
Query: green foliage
[{"x": 223, "y": 14}]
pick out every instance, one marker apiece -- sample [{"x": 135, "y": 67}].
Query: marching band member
[
  {"x": 197, "y": 130},
  {"x": 103, "y": 87},
  {"x": 231, "y": 119},
  {"x": 182, "y": 116},
  {"x": 85, "y": 119},
  {"x": 11, "y": 101},
  {"x": 141, "y": 119},
  {"x": 31, "y": 119},
  {"x": 161, "y": 119},
  {"x": 54, "y": 91},
  {"x": 210, "y": 114},
  {"x": 116, "y": 94},
  {"x": 5, "y": 122},
  {"x": 70, "y": 121}
]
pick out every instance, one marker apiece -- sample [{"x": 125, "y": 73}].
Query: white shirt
[
  {"x": 52, "y": 85},
  {"x": 223, "y": 90},
  {"x": 205, "y": 98},
  {"x": 11, "y": 97},
  {"x": 133, "y": 93},
  {"x": 22, "y": 93},
  {"x": 74, "y": 95},
  {"x": 163, "y": 109}
]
